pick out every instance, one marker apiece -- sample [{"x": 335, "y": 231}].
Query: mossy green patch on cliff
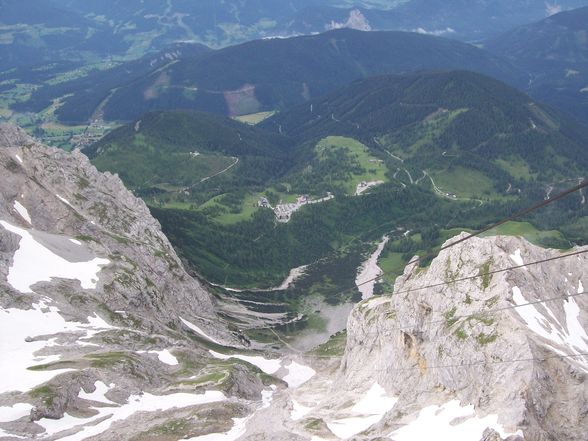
[
  {"x": 47, "y": 394},
  {"x": 461, "y": 334},
  {"x": 53, "y": 366},
  {"x": 450, "y": 318},
  {"x": 334, "y": 347},
  {"x": 488, "y": 321},
  {"x": 491, "y": 301},
  {"x": 175, "y": 427},
  {"x": 483, "y": 273},
  {"x": 484, "y": 339},
  {"x": 110, "y": 359}
]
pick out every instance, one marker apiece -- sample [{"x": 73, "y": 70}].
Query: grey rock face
[
  {"x": 66, "y": 196},
  {"x": 140, "y": 324},
  {"x": 463, "y": 340},
  {"x": 243, "y": 384}
]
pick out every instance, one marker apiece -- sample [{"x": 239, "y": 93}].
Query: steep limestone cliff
[
  {"x": 490, "y": 358},
  {"x": 58, "y": 195},
  {"x": 440, "y": 349}
]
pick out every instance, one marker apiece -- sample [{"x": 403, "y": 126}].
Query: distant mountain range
[
  {"x": 52, "y": 31},
  {"x": 554, "y": 52},
  {"x": 467, "y": 20},
  {"x": 69, "y": 59},
  {"x": 265, "y": 74}
]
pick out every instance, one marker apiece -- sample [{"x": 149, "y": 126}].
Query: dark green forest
[{"x": 492, "y": 146}]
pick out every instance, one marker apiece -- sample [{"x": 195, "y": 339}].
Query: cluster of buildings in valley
[
  {"x": 93, "y": 133},
  {"x": 364, "y": 186},
  {"x": 284, "y": 212}
]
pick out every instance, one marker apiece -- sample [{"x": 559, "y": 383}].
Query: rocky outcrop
[
  {"x": 65, "y": 195},
  {"x": 96, "y": 308},
  {"x": 520, "y": 368}
]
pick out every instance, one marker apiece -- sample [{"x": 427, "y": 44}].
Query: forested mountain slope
[
  {"x": 554, "y": 52},
  {"x": 375, "y": 152},
  {"x": 449, "y": 121},
  {"x": 275, "y": 74}
]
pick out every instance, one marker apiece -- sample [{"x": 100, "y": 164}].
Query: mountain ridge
[
  {"x": 277, "y": 73},
  {"x": 555, "y": 54},
  {"x": 449, "y": 115}
]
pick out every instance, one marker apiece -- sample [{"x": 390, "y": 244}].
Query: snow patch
[
  {"x": 580, "y": 287},
  {"x": 18, "y": 158},
  {"x": 267, "y": 396},
  {"x": 375, "y": 401},
  {"x": 196, "y": 329},
  {"x": 347, "y": 427},
  {"x": 517, "y": 258},
  {"x": 299, "y": 411},
  {"x": 16, "y": 325},
  {"x": 99, "y": 394},
  {"x": 270, "y": 367},
  {"x": 436, "y": 422},
  {"x": 75, "y": 241},
  {"x": 15, "y": 412},
  {"x": 65, "y": 201},
  {"x": 435, "y": 32},
  {"x": 34, "y": 263},
  {"x": 369, "y": 271},
  {"x": 577, "y": 336},
  {"x": 109, "y": 415},
  {"x": 298, "y": 374},
  {"x": 22, "y": 211},
  {"x": 164, "y": 356},
  {"x": 573, "y": 337},
  {"x": 552, "y": 9},
  {"x": 372, "y": 408}
]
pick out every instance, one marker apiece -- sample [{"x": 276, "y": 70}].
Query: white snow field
[
  {"x": 99, "y": 394},
  {"x": 572, "y": 334},
  {"x": 268, "y": 366},
  {"x": 299, "y": 411},
  {"x": 18, "y": 355},
  {"x": 20, "y": 209},
  {"x": 370, "y": 409},
  {"x": 14, "y": 412},
  {"x": 435, "y": 422},
  {"x": 517, "y": 258},
  {"x": 108, "y": 415},
  {"x": 196, "y": 329},
  {"x": 65, "y": 201},
  {"x": 33, "y": 263},
  {"x": 298, "y": 374},
  {"x": 164, "y": 356}
]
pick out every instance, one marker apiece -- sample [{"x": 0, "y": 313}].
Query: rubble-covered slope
[{"x": 99, "y": 322}]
